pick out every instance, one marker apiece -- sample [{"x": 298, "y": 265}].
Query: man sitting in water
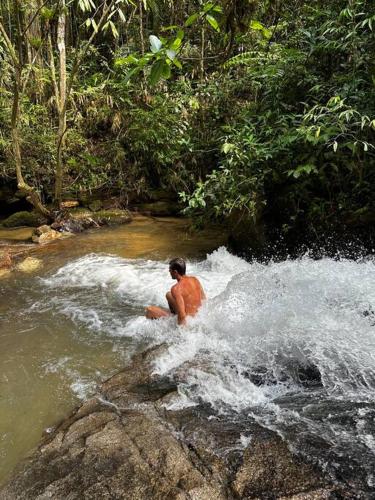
[{"x": 184, "y": 299}]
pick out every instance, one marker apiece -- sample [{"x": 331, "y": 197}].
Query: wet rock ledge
[{"x": 124, "y": 444}]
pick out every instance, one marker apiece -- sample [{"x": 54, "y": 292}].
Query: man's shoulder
[
  {"x": 176, "y": 288},
  {"x": 194, "y": 280}
]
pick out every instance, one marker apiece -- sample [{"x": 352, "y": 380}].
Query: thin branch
[
  {"x": 53, "y": 71},
  {"x": 9, "y": 45}
]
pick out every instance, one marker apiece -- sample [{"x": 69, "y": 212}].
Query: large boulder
[
  {"x": 18, "y": 219},
  {"x": 125, "y": 444},
  {"x": 45, "y": 234}
]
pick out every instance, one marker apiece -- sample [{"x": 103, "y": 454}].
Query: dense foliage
[{"x": 264, "y": 109}]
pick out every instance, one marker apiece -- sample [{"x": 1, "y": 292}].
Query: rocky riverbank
[{"x": 125, "y": 443}]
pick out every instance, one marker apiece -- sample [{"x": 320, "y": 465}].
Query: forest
[
  {"x": 255, "y": 114},
  {"x": 187, "y": 241}
]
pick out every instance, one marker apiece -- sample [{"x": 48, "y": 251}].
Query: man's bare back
[{"x": 184, "y": 298}]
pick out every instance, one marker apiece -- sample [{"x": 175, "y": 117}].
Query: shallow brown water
[{"x": 47, "y": 360}]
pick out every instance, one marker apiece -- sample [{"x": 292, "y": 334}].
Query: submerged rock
[
  {"x": 124, "y": 443},
  {"x": 5, "y": 259},
  {"x": 4, "y": 273},
  {"x": 29, "y": 265},
  {"x": 45, "y": 234}
]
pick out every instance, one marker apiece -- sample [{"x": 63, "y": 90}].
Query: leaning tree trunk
[
  {"x": 18, "y": 86},
  {"x": 31, "y": 194}
]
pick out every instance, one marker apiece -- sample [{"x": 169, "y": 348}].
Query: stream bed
[
  {"x": 290, "y": 345},
  {"x": 51, "y": 358}
]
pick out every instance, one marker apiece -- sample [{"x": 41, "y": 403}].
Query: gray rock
[{"x": 124, "y": 444}]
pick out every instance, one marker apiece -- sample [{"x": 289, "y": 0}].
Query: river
[{"x": 290, "y": 344}]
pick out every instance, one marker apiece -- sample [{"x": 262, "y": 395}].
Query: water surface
[
  {"x": 290, "y": 344},
  {"x": 51, "y": 355}
]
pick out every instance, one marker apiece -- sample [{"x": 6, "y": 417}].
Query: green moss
[
  {"x": 96, "y": 205},
  {"x": 18, "y": 219},
  {"x": 79, "y": 213},
  {"x": 112, "y": 216}
]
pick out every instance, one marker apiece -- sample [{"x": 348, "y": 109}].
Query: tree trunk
[
  {"x": 201, "y": 62},
  {"x": 141, "y": 27},
  {"x": 31, "y": 194},
  {"x": 61, "y": 105}
]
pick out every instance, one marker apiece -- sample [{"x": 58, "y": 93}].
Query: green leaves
[
  {"x": 257, "y": 26},
  {"x": 337, "y": 123},
  {"x": 125, "y": 61},
  {"x": 155, "y": 44},
  {"x": 306, "y": 169},
  {"x": 227, "y": 147},
  {"x": 212, "y": 7},
  {"x": 46, "y": 13},
  {"x": 213, "y": 22},
  {"x": 175, "y": 45},
  {"x": 157, "y": 70},
  {"x": 208, "y": 12},
  {"x": 86, "y": 5},
  {"x": 191, "y": 20},
  {"x": 110, "y": 25},
  {"x": 163, "y": 54}
]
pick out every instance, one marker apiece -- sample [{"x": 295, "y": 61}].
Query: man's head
[{"x": 177, "y": 267}]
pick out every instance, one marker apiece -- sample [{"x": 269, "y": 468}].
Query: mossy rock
[
  {"x": 109, "y": 217},
  {"x": 79, "y": 213},
  {"x": 19, "y": 219},
  {"x": 96, "y": 205}
]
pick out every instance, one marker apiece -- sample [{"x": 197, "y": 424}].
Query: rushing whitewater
[{"x": 291, "y": 344}]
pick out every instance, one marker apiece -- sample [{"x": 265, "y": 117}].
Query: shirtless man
[{"x": 184, "y": 299}]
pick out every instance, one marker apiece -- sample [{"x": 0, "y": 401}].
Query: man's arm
[{"x": 180, "y": 304}]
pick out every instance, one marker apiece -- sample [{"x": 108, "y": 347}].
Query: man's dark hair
[{"x": 178, "y": 265}]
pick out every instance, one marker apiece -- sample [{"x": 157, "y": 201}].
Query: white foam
[
  {"x": 270, "y": 320},
  {"x": 279, "y": 315},
  {"x": 83, "y": 388}
]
